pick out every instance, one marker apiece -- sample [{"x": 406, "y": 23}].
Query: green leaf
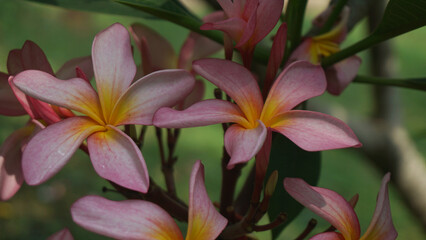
[
  {"x": 400, "y": 16},
  {"x": 101, "y": 6},
  {"x": 290, "y": 161}
]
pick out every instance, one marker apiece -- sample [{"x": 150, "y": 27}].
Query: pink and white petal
[
  {"x": 113, "y": 65},
  {"x": 195, "y": 96},
  {"x": 155, "y": 44},
  {"x": 233, "y": 27},
  {"x": 116, "y": 157},
  {"x": 68, "y": 70},
  {"x": 29, "y": 57},
  {"x": 50, "y": 149},
  {"x": 341, "y": 74},
  {"x": 11, "y": 177},
  {"x": 236, "y": 81},
  {"x": 204, "y": 222},
  {"x": 298, "y": 82},
  {"x": 328, "y": 236},
  {"x": 314, "y": 131},
  {"x": 76, "y": 93},
  {"x": 327, "y": 204},
  {"x": 163, "y": 88},
  {"x": 207, "y": 112},
  {"x": 129, "y": 219},
  {"x": 304, "y": 52},
  {"x": 243, "y": 144},
  {"x": 64, "y": 234},
  {"x": 381, "y": 226},
  {"x": 268, "y": 13},
  {"x": 9, "y": 104}
]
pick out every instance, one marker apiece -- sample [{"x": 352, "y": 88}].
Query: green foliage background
[{"x": 37, "y": 212}]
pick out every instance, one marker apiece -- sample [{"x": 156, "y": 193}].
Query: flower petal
[
  {"x": 268, "y": 13},
  {"x": 129, "y": 219},
  {"x": 328, "y": 236},
  {"x": 68, "y": 70},
  {"x": 64, "y": 234},
  {"x": 276, "y": 57},
  {"x": 306, "y": 51},
  {"x": 29, "y": 57},
  {"x": 113, "y": 65},
  {"x": 157, "y": 53},
  {"x": 204, "y": 222},
  {"x": 9, "y": 105},
  {"x": 196, "y": 95},
  {"x": 326, "y": 204},
  {"x": 242, "y": 144},
  {"x": 297, "y": 83},
  {"x": 116, "y": 157},
  {"x": 51, "y": 148},
  {"x": 236, "y": 81},
  {"x": 314, "y": 131},
  {"x": 381, "y": 226},
  {"x": 163, "y": 88},
  {"x": 76, "y": 93},
  {"x": 341, "y": 74},
  {"x": 11, "y": 177},
  {"x": 203, "y": 113},
  {"x": 234, "y": 27}
]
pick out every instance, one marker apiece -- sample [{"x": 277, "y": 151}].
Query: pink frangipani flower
[
  {"x": 13, "y": 102},
  {"x": 114, "y": 155},
  {"x": 300, "y": 81},
  {"x": 247, "y": 23},
  {"x": 336, "y": 210},
  {"x": 143, "y": 220},
  {"x": 314, "y": 48}
]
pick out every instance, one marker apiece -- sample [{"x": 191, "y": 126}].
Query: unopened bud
[{"x": 271, "y": 184}]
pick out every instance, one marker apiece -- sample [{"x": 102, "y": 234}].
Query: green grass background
[{"x": 37, "y": 212}]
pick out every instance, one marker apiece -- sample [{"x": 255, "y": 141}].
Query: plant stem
[
  {"x": 328, "y": 25},
  {"x": 294, "y": 15},
  {"x": 414, "y": 83}
]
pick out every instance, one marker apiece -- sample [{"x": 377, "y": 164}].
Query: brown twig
[{"x": 311, "y": 225}]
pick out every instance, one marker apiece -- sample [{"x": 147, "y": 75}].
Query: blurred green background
[{"x": 37, "y": 212}]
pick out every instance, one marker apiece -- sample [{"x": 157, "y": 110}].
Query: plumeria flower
[
  {"x": 151, "y": 44},
  {"x": 13, "y": 102},
  {"x": 336, "y": 210},
  {"x": 247, "y": 23},
  {"x": 114, "y": 155},
  {"x": 300, "y": 81},
  {"x": 143, "y": 220},
  {"x": 313, "y": 49}
]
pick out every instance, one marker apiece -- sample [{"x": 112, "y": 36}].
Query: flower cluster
[{"x": 69, "y": 112}]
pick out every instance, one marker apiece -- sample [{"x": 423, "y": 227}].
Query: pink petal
[
  {"x": 305, "y": 52},
  {"x": 203, "y": 113},
  {"x": 117, "y": 158},
  {"x": 76, "y": 93},
  {"x": 50, "y": 149},
  {"x": 64, "y": 234},
  {"x": 43, "y": 111},
  {"x": 231, "y": 8},
  {"x": 328, "y": 236},
  {"x": 341, "y": 74},
  {"x": 297, "y": 83},
  {"x": 9, "y": 105},
  {"x": 68, "y": 70},
  {"x": 236, "y": 81},
  {"x": 381, "y": 226},
  {"x": 243, "y": 144},
  {"x": 234, "y": 27},
  {"x": 326, "y": 204},
  {"x": 157, "y": 52},
  {"x": 23, "y": 99},
  {"x": 204, "y": 221},
  {"x": 30, "y": 57},
  {"x": 314, "y": 131},
  {"x": 129, "y": 219},
  {"x": 196, "y": 95},
  {"x": 11, "y": 177},
  {"x": 113, "y": 65},
  {"x": 268, "y": 13},
  {"x": 163, "y": 88}
]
